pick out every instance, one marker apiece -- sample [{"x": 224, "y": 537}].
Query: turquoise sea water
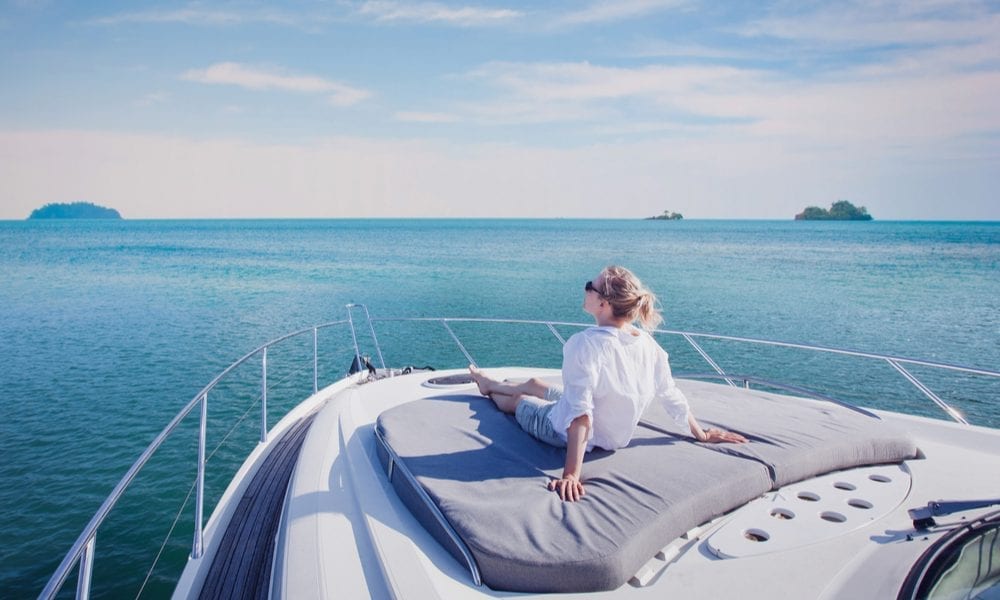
[{"x": 108, "y": 328}]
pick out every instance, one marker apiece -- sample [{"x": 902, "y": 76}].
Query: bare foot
[{"x": 482, "y": 381}]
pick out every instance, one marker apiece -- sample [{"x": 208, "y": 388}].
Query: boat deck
[
  {"x": 348, "y": 532},
  {"x": 242, "y": 566},
  {"x": 344, "y": 498}
]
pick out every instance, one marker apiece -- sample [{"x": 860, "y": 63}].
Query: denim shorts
[{"x": 532, "y": 414}]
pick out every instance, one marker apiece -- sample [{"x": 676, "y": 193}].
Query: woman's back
[{"x": 613, "y": 374}]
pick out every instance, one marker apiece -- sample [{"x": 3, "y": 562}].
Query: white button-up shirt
[{"x": 612, "y": 375}]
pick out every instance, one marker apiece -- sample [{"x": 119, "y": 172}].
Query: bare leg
[
  {"x": 489, "y": 386},
  {"x": 506, "y": 403}
]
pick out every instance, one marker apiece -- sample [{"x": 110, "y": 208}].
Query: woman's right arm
[
  {"x": 570, "y": 485},
  {"x": 573, "y": 412}
]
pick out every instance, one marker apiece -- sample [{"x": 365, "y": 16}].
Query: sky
[{"x": 575, "y": 109}]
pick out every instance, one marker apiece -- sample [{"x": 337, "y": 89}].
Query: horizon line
[{"x": 497, "y": 218}]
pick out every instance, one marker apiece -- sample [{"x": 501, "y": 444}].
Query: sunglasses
[{"x": 589, "y": 287}]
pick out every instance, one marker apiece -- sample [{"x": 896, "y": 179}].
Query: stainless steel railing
[
  {"x": 82, "y": 552},
  {"x": 896, "y": 362}
]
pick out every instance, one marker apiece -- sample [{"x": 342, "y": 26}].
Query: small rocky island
[
  {"x": 842, "y": 210},
  {"x": 74, "y": 210},
  {"x": 666, "y": 216}
]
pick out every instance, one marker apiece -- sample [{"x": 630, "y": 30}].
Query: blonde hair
[{"x": 629, "y": 298}]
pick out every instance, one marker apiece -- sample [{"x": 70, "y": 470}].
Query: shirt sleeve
[
  {"x": 579, "y": 372},
  {"x": 667, "y": 392}
]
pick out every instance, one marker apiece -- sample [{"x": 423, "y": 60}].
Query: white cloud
[
  {"x": 899, "y": 107},
  {"x": 515, "y": 111},
  {"x": 434, "y": 12},
  {"x": 197, "y": 15},
  {"x": 30, "y": 4},
  {"x": 256, "y": 78},
  {"x": 603, "y": 11},
  {"x": 882, "y": 24},
  {"x": 585, "y": 81},
  {"x": 560, "y": 92},
  {"x": 344, "y": 96},
  {"x": 426, "y": 117},
  {"x": 153, "y": 98},
  {"x": 656, "y": 48},
  {"x": 901, "y": 114}
]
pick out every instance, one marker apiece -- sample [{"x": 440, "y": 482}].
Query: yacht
[{"x": 399, "y": 481}]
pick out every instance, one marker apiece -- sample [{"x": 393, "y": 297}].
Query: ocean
[{"x": 107, "y": 328}]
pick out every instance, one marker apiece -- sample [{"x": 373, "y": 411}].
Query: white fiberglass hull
[{"x": 346, "y": 533}]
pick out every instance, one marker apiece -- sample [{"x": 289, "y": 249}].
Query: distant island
[
  {"x": 666, "y": 216},
  {"x": 75, "y": 210},
  {"x": 842, "y": 210}
]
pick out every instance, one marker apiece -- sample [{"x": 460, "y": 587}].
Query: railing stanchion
[
  {"x": 263, "y": 397},
  {"x": 315, "y": 360},
  {"x": 947, "y": 408},
  {"x": 371, "y": 329},
  {"x": 198, "y": 548},
  {"x": 707, "y": 358},
  {"x": 461, "y": 347},
  {"x": 354, "y": 334},
  {"x": 86, "y": 570}
]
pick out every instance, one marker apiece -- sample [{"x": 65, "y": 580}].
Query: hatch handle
[{"x": 923, "y": 517}]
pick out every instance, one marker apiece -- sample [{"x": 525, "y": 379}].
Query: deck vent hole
[
  {"x": 783, "y": 514},
  {"x": 756, "y": 535},
  {"x": 460, "y": 379},
  {"x": 809, "y": 496},
  {"x": 833, "y": 517},
  {"x": 880, "y": 478},
  {"x": 859, "y": 503},
  {"x": 843, "y": 485}
]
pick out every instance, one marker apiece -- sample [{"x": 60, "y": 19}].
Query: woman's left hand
[
  {"x": 718, "y": 436},
  {"x": 570, "y": 488}
]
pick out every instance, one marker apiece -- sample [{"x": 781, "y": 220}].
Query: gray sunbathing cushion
[
  {"x": 488, "y": 479},
  {"x": 796, "y": 438}
]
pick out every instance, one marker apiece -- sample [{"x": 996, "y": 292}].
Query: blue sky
[{"x": 506, "y": 109}]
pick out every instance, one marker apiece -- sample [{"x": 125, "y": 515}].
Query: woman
[{"x": 611, "y": 373}]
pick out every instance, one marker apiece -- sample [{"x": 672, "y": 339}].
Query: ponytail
[
  {"x": 648, "y": 315},
  {"x": 630, "y": 299}
]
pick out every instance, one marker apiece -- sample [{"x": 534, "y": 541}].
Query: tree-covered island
[
  {"x": 666, "y": 216},
  {"x": 841, "y": 210},
  {"x": 74, "y": 210}
]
